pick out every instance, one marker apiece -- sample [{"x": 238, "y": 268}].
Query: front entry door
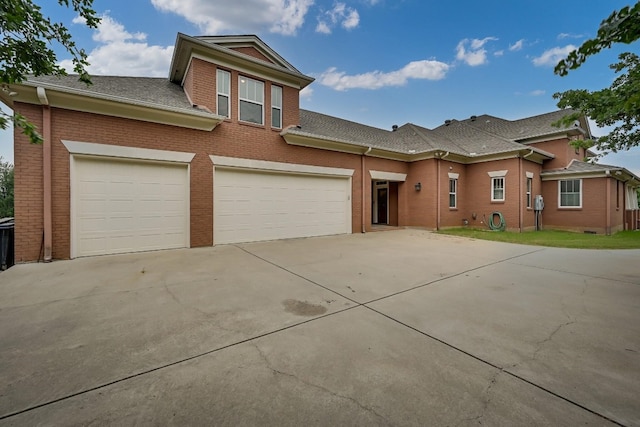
[{"x": 382, "y": 205}]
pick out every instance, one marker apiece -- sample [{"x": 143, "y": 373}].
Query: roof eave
[{"x": 91, "y": 102}]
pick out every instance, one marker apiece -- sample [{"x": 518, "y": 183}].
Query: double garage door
[
  {"x": 123, "y": 206},
  {"x": 252, "y": 205}
]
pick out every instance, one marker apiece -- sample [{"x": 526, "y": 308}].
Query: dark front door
[{"x": 382, "y": 206}]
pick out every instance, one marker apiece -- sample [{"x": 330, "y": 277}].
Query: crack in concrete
[
  {"x": 541, "y": 344},
  {"x": 316, "y": 386}
]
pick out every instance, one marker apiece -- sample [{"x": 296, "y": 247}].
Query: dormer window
[
  {"x": 276, "y": 107},
  {"x": 224, "y": 92},
  {"x": 251, "y": 95}
]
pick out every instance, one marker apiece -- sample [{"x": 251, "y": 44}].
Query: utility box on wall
[{"x": 538, "y": 203}]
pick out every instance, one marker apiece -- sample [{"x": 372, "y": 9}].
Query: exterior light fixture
[{"x": 418, "y": 186}]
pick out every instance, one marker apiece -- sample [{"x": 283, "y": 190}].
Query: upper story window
[
  {"x": 223, "y": 82},
  {"x": 570, "y": 193},
  {"x": 251, "y": 96},
  {"x": 276, "y": 106}
]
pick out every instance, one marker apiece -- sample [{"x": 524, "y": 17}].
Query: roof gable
[
  {"x": 247, "y": 54},
  {"x": 249, "y": 45}
]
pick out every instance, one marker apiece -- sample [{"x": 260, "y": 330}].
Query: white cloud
[
  {"x": 122, "y": 53},
  {"x": 217, "y": 16},
  {"x": 537, "y": 92},
  {"x": 306, "y": 92},
  {"x": 516, "y": 46},
  {"x": 563, "y": 36},
  {"x": 425, "y": 69},
  {"x": 472, "y": 51},
  {"x": 347, "y": 17},
  {"x": 553, "y": 56},
  {"x": 498, "y": 53}
]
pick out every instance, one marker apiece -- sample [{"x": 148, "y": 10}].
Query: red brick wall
[
  {"x": 28, "y": 193},
  {"x": 421, "y": 205},
  {"x": 478, "y": 193},
  {"x": 591, "y": 217},
  {"x": 562, "y": 149},
  {"x": 252, "y": 52}
]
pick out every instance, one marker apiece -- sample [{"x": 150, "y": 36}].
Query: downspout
[
  {"x": 364, "y": 199},
  {"x": 46, "y": 171},
  {"x": 438, "y": 203}
]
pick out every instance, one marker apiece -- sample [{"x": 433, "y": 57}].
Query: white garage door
[
  {"x": 128, "y": 206},
  {"x": 254, "y": 205}
]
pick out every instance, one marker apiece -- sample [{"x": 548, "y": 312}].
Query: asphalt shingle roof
[
  {"x": 576, "y": 166},
  {"x": 528, "y": 127},
  {"x": 150, "y": 90}
]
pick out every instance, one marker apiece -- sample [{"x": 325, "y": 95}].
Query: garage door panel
[
  {"x": 254, "y": 205},
  {"x": 126, "y": 206}
]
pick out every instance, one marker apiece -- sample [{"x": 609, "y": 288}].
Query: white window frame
[
  {"x": 494, "y": 181},
  {"x": 560, "y": 205},
  {"x": 453, "y": 193},
  {"x": 529, "y": 191},
  {"x": 276, "y": 95},
  {"x": 223, "y": 88},
  {"x": 242, "y": 80}
]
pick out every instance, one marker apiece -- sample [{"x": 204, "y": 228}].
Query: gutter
[{"x": 46, "y": 172}]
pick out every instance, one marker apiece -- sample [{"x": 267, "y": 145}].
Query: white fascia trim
[
  {"x": 106, "y": 150},
  {"x": 529, "y": 174},
  {"x": 453, "y": 175},
  {"x": 497, "y": 174},
  {"x": 388, "y": 176},
  {"x": 239, "y": 163}
]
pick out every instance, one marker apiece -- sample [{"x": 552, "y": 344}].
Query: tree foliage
[
  {"x": 27, "y": 43},
  {"x": 619, "y": 104},
  {"x": 6, "y": 189}
]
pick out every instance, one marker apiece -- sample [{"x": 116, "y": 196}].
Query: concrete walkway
[{"x": 397, "y": 328}]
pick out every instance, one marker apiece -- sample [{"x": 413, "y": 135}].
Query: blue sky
[{"x": 378, "y": 62}]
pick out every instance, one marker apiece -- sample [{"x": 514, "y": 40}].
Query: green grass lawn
[{"x": 559, "y": 239}]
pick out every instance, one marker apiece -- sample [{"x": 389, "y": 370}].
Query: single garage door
[
  {"x": 128, "y": 206},
  {"x": 254, "y": 205}
]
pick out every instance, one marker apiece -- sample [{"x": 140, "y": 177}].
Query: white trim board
[
  {"x": 236, "y": 162},
  {"x": 107, "y": 150}
]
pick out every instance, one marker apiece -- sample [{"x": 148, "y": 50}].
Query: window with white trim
[
  {"x": 497, "y": 189},
  {"x": 251, "y": 96},
  {"x": 570, "y": 193},
  {"x": 223, "y": 83},
  {"x": 453, "y": 193},
  {"x": 529, "y": 187},
  {"x": 276, "y": 106}
]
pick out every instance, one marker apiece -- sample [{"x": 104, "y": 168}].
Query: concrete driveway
[{"x": 392, "y": 328}]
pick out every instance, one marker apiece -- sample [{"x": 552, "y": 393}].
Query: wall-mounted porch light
[{"x": 418, "y": 186}]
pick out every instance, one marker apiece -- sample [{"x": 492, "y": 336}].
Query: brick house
[{"x": 222, "y": 153}]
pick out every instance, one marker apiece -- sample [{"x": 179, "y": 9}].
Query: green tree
[
  {"x": 26, "y": 48},
  {"x": 619, "y": 104},
  {"x": 6, "y": 189}
]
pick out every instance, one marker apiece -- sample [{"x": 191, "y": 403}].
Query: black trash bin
[{"x": 6, "y": 243}]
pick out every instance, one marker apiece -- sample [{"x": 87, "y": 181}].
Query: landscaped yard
[{"x": 560, "y": 239}]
